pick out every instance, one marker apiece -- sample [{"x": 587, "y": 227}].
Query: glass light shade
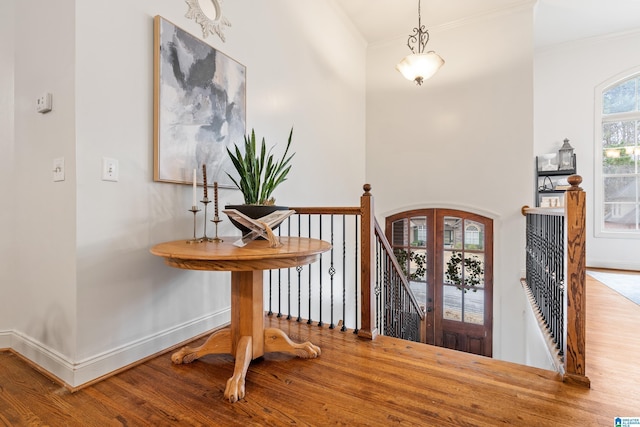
[{"x": 420, "y": 66}]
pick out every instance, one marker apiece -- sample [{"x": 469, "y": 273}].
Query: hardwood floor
[{"x": 354, "y": 382}]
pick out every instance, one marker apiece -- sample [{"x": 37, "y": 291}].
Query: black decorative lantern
[{"x": 565, "y": 156}]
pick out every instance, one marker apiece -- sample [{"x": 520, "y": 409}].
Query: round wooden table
[{"x": 246, "y": 339}]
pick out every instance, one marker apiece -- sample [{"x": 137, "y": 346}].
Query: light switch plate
[
  {"x": 110, "y": 169},
  {"x": 58, "y": 169},
  {"x": 44, "y": 103}
]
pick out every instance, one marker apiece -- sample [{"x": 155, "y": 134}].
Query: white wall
[
  {"x": 565, "y": 80},
  {"x": 100, "y": 300},
  {"x": 461, "y": 140},
  {"x": 7, "y": 213},
  {"x": 42, "y": 289}
]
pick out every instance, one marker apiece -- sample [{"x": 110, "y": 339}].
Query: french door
[{"x": 447, "y": 256}]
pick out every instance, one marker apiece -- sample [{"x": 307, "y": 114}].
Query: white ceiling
[{"x": 556, "y": 21}]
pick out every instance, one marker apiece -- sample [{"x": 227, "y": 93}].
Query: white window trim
[{"x": 598, "y": 205}]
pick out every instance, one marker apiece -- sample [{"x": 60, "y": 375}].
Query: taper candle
[
  {"x": 204, "y": 179},
  {"x": 194, "y": 188},
  {"x": 215, "y": 198}
]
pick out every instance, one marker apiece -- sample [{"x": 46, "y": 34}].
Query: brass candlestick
[
  {"x": 206, "y": 202},
  {"x": 216, "y": 220},
  {"x": 195, "y": 210}
]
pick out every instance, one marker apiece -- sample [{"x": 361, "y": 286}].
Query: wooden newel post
[
  {"x": 367, "y": 227},
  {"x": 575, "y": 207}
]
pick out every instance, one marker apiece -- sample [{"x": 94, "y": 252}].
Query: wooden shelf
[{"x": 545, "y": 175}]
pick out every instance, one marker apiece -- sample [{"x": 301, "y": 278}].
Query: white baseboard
[
  {"x": 77, "y": 373},
  {"x": 629, "y": 266},
  {"x": 5, "y": 339}
]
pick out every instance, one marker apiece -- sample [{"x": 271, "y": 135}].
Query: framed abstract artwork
[{"x": 199, "y": 107}]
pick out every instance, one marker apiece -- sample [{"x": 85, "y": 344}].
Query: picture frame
[{"x": 199, "y": 108}]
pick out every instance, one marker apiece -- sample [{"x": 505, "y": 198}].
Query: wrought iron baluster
[
  {"x": 288, "y": 293},
  {"x": 299, "y": 269},
  {"x": 344, "y": 274},
  {"x": 310, "y": 270},
  {"x": 270, "y": 312},
  {"x": 356, "y": 288},
  {"x": 279, "y": 294},
  {"x": 320, "y": 323},
  {"x": 332, "y": 272}
]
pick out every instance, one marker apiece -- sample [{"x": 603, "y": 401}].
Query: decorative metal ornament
[{"x": 208, "y": 14}]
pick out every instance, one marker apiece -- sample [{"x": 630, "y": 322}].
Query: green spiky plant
[{"x": 259, "y": 174}]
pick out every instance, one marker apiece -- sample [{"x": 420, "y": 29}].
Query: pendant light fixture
[{"x": 419, "y": 66}]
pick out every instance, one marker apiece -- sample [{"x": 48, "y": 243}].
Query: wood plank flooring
[{"x": 353, "y": 383}]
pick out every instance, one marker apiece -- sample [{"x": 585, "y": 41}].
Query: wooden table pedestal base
[
  {"x": 220, "y": 343},
  {"x": 246, "y": 339}
]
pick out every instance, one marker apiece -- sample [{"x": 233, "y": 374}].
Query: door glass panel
[
  {"x": 418, "y": 275},
  {"x": 473, "y": 235},
  {"x": 419, "y": 290},
  {"x": 452, "y": 232},
  {"x": 409, "y": 237},
  {"x": 418, "y": 232},
  {"x": 402, "y": 256},
  {"x": 418, "y": 265},
  {"x": 398, "y": 232},
  {"x": 474, "y": 270},
  {"x": 451, "y": 303},
  {"x": 452, "y": 267},
  {"x": 474, "y": 306}
]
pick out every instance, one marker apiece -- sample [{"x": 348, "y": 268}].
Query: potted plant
[{"x": 259, "y": 174}]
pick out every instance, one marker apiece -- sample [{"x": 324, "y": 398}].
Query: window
[{"x": 618, "y": 156}]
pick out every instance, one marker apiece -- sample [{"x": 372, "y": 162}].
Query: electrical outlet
[
  {"x": 58, "y": 169},
  {"x": 110, "y": 169}
]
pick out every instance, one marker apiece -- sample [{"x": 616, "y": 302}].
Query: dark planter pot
[{"x": 254, "y": 212}]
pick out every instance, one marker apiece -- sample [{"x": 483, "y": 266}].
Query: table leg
[
  {"x": 276, "y": 340},
  {"x": 218, "y": 343},
  {"x": 234, "y": 390}
]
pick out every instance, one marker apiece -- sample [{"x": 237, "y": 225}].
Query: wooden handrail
[
  {"x": 349, "y": 210},
  {"x": 526, "y": 210}
]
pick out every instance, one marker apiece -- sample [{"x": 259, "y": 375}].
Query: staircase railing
[
  {"x": 556, "y": 277},
  {"x": 328, "y": 291},
  {"x": 357, "y": 285},
  {"x": 398, "y": 312}
]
